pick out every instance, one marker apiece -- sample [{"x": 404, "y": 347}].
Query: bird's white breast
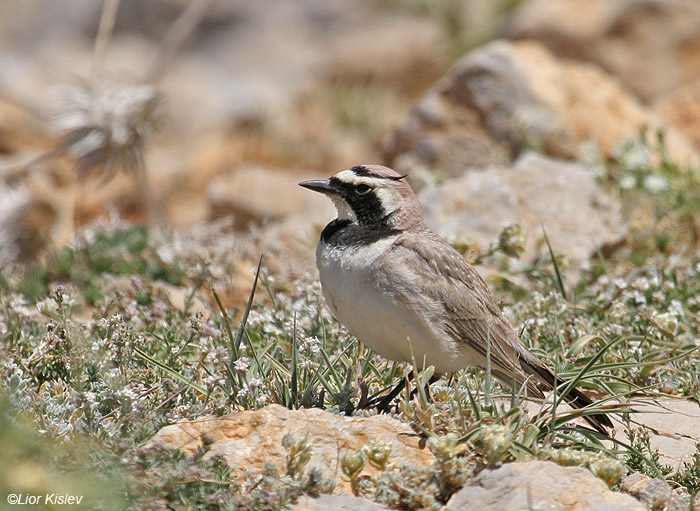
[{"x": 363, "y": 301}]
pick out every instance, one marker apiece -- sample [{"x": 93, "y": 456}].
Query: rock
[
  {"x": 37, "y": 216},
  {"x": 290, "y": 246},
  {"x": 654, "y": 493},
  {"x": 27, "y": 225},
  {"x": 536, "y": 192},
  {"x": 250, "y": 439},
  {"x": 618, "y": 35},
  {"x": 539, "y": 485},
  {"x": 393, "y": 48},
  {"x": 335, "y": 503},
  {"x": 673, "y": 425},
  {"x": 256, "y": 195},
  {"x": 276, "y": 218},
  {"x": 681, "y": 108},
  {"x": 504, "y": 97}
]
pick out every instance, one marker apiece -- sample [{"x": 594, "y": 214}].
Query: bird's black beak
[{"x": 325, "y": 186}]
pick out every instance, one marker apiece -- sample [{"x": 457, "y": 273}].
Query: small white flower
[
  {"x": 676, "y": 308},
  {"x": 628, "y": 182},
  {"x": 307, "y": 364},
  {"x": 634, "y": 155},
  {"x": 658, "y": 296},
  {"x": 603, "y": 297},
  {"x": 241, "y": 365},
  {"x": 654, "y": 183},
  {"x": 620, "y": 283},
  {"x": 212, "y": 380},
  {"x": 641, "y": 284},
  {"x": 636, "y": 296},
  {"x": 113, "y": 373},
  {"x": 311, "y": 344},
  {"x": 655, "y": 279},
  {"x": 604, "y": 279},
  {"x": 254, "y": 383},
  {"x": 666, "y": 321}
]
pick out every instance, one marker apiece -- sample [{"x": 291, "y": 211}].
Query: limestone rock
[
  {"x": 537, "y": 191},
  {"x": 250, "y": 439},
  {"x": 504, "y": 97},
  {"x": 655, "y": 493},
  {"x": 681, "y": 108},
  {"x": 539, "y": 485},
  {"x": 618, "y": 35},
  {"x": 290, "y": 247},
  {"x": 27, "y": 225},
  {"x": 674, "y": 427},
  {"x": 37, "y": 215},
  {"x": 335, "y": 503},
  {"x": 279, "y": 219}
]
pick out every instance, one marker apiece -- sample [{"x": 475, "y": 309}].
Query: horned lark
[{"x": 403, "y": 291}]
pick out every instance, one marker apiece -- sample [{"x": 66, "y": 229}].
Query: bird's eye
[{"x": 362, "y": 189}]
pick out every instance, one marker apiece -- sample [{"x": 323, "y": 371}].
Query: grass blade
[
  {"x": 295, "y": 363},
  {"x": 172, "y": 372},
  {"x": 560, "y": 280},
  {"x": 227, "y": 324},
  {"x": 249, "y": 305},
  {"x": 571, "y": 384}
]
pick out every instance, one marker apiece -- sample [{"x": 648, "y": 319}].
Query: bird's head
[{"x": 371, "y": 195}]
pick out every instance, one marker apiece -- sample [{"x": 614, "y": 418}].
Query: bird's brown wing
[{"x": 439, "y": 275}]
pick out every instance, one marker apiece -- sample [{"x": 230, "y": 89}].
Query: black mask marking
[
  {"x": 347, "y": 234},
  {"x": 367, "y": 206}
]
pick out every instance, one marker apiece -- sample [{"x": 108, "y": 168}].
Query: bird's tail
[{"x": 575, "y": 397}]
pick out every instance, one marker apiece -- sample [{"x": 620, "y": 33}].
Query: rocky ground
[
  {"x": 252, "y": 439},
  {"x": 534, "y": 132}
]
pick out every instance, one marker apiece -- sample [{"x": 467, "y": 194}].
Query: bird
[{"x": 409, "y": 295}]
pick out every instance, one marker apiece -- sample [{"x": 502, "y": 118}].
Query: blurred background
[{"x": 176, "y": 113}]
